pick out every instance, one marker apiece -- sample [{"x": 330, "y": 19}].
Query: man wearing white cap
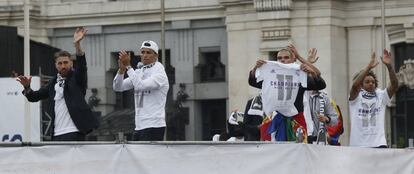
[{"x": 150, "y": 84}]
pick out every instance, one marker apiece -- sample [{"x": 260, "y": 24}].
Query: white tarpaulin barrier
[
  {"x": 204, "y": 158},
  {"x": 12, "y": 111}
]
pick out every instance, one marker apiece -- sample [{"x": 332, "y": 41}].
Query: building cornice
[
  {"x": 57, "y": 15},
  {"x": 235, "y": 2}
]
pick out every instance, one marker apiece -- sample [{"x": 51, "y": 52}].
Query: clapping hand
[{"x": 125, "y": 58}]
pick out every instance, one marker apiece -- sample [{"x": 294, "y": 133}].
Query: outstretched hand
[
  {"x": 25, "y": 81},
  {"x": 312, "y": 57},
  {"x": 294, "y": 51},
  {"x": 79, "y": 34},
  {"x": 386, "y": 57}
]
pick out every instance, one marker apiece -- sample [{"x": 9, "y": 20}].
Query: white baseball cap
[{"x": 150, "y": 45}]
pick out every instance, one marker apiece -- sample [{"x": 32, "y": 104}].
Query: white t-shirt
[
  {"x": 150, "y": 84},
  {"x": 367, "y": 120},
  {"x": 63, "y": 122},
  {"x": 280, "y": 86}
]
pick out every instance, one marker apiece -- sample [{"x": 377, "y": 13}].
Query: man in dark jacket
[
  {"x": 314, "y": 82},
  {"x": 72, "y": 118},
  {"x": 252, "y": 120}
]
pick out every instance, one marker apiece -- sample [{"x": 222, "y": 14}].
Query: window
[
  {"x": 401, "y": 115},
  {"x": 273, "y": 55},
  {"x": 213, "y": 116},
  {"x": 210, "y": 68}
]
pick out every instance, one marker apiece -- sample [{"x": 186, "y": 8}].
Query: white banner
[
  {"x": 205, "y": 159},
  {"x": 12, "y": 111}
]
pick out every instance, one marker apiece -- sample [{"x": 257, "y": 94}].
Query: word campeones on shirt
[
  {"x": 367, "y": 119},
  {"x": 280, "y": 86}
]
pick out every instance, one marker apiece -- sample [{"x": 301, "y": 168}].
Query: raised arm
[
  {"x": 306, "y": 66},
  {"x": 356, "y": 85},
  {"x": 312, "y": 57},
  {"x": 393, "y": 86},
  {"x": 79, "y": 34},
  {"x": 81, "y": 68},
  {"x": 156, "y": 80},
  {"x": 315, "y": 81},
  {"x": 259, "y": 63}
]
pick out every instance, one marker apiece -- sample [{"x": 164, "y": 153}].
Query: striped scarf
[{"x": 368, "y": 95}]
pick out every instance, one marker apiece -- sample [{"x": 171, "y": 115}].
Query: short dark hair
[
  {"x": 370, "y": 73},
  {"x": 62, "y": 54},
  {"x": 282, "y": 50}
]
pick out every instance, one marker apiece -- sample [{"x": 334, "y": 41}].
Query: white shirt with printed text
[
  {"x": 280, "y": 86},
  {"x": 367, "y": 120}
]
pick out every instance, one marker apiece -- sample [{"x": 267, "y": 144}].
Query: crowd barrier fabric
[{"x": 204, "y": 159}]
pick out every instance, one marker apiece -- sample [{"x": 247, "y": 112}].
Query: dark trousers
[
  {"x": 252, "y": 135},
  {"x": 72, "y": 136},
  {"x": 149, "y": 134}
]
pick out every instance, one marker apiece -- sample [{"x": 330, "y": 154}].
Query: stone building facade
[{"x": 235, "y": 33}]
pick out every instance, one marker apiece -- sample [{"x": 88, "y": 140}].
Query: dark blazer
[{"x": 74, "y": 94}]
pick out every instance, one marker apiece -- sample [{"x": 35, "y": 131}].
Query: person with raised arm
[
  {"x": 282, "y": 85},
  {"x": 72, "y": 118},
  {"x": 367, "y": 104}
]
